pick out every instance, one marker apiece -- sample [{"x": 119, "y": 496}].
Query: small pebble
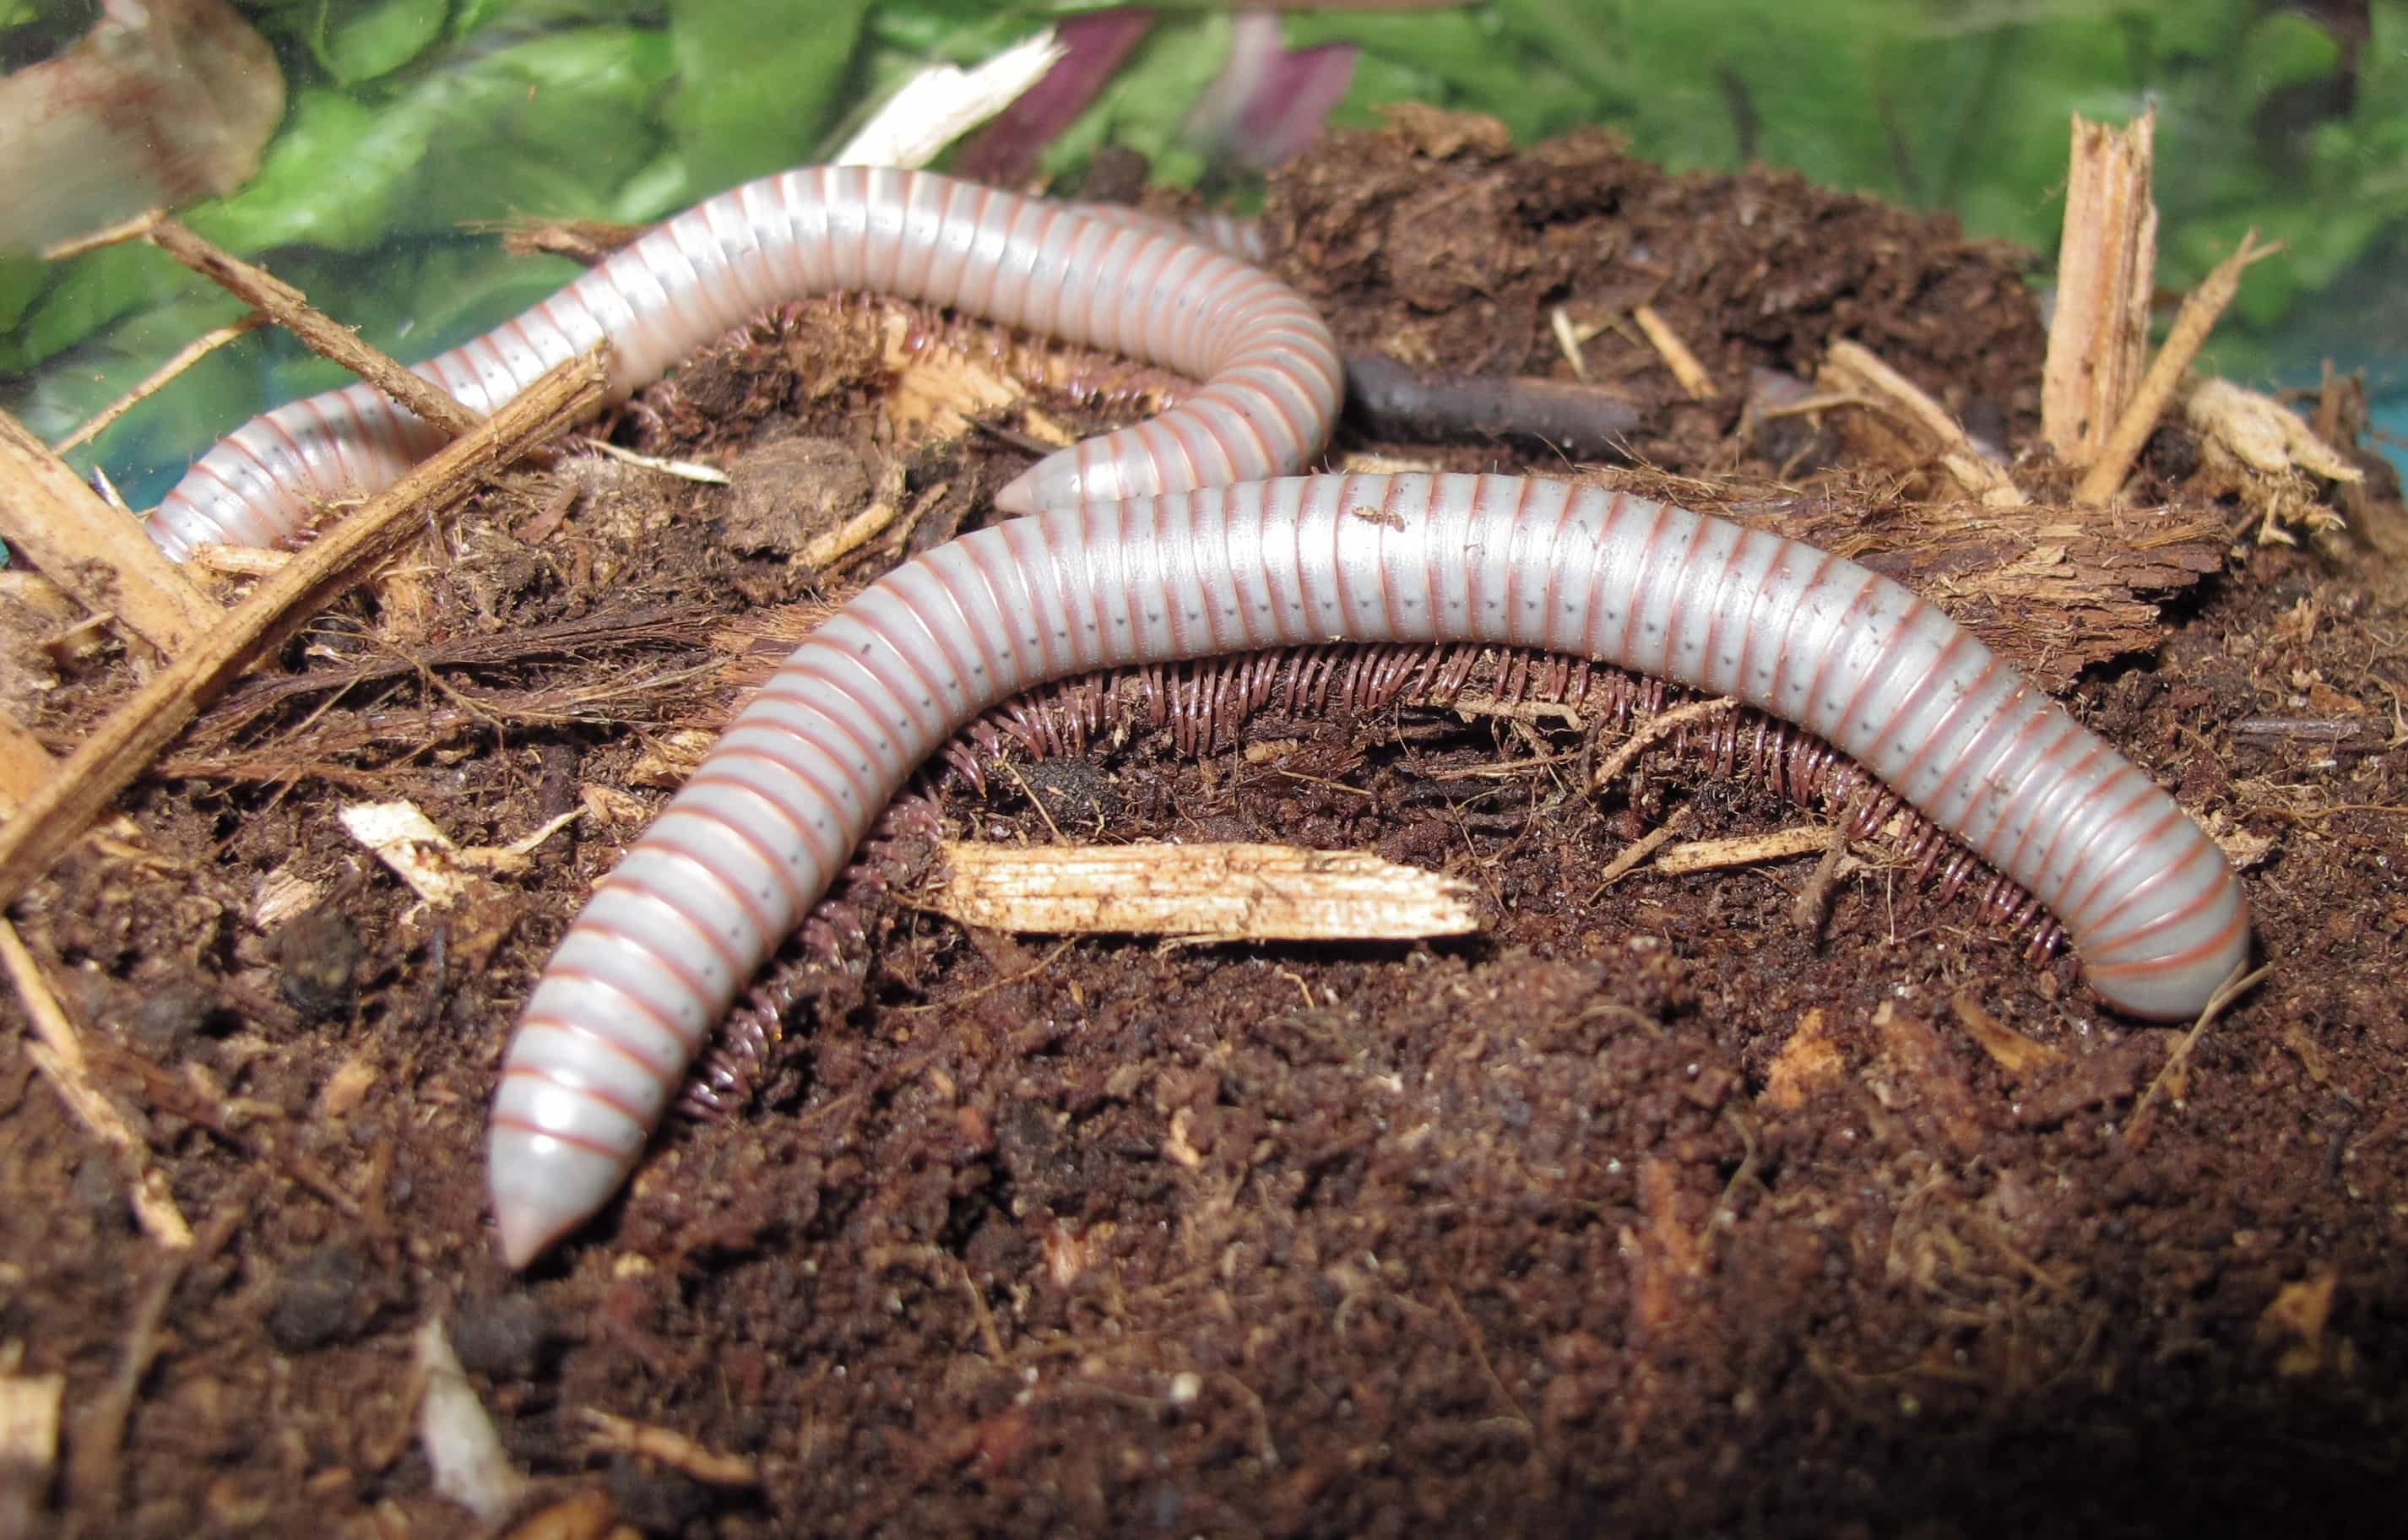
[
  {"x": 318, "y": 958},
  {"x": 316, "y": 1302},
  {"x": 500, "y": 1337}
]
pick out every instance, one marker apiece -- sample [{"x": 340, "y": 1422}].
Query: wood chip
[
  {"x": 29, "y": 1446},
  {"x": 57, "y": 1052},
  {"x": 1923, "y": 1064},
  {"x": 582, "y": 1516},
  {"x": 463, "y": 1451},
  {"x": 424, "y": 856},
  {"x": 2262, "y": 433},
  {"x": 1675, "y": 353},
  {"x": 2296, "y": 1318},
  {"x": 2106, "y": 276},
  {"x": 1852, "y": 370},
  {"x": 1217, "y": 892},
  {"x": 1809, "y": 1061},
  {"x": 620, "y": 1435},
  {"x": 943, "y": 102},
  {"x": 25, "y": 764},
  {"x": 2009, "y": 1049},
  {"x": 1750, "y": 850}
]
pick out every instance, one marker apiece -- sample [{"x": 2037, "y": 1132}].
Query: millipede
[{"x": 1185, "y": 538}]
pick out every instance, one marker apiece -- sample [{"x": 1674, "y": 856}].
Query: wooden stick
[
  {"x": 92, "y": 550},
  {"x": 319, "y": 333},
  {"x": 2106, "y": 273},
  {"x": 1855, "y": 370},
  {"x": 58, "y": 1052},
  {"x": 2196, "y": 319},
  {"x": 133, "y": 735},
  {"x": 1675, "y": 353}
]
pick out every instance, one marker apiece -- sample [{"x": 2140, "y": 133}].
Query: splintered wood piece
[
  {"x": 1675, "y": 353},
  {"x": 57, "y": 1052},
  {"x": 92, "y": 550},
  {"x": 1249, "y": 892},
  {"x": 2191, "y": 325},
  {"x": 1854, "y": 370},
  {"x": 2106, "y": 273}
]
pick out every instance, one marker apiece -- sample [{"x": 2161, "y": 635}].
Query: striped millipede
[
  {"x": 1272, "y": 379},
  {"x": 1127, "y": 567},
  {"x": 1203, "y": 707},
  {"x": 739, "y": 855}
]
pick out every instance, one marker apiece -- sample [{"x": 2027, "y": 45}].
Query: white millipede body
[{"x": 1180, "y": 538}]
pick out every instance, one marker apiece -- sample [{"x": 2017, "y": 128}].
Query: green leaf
[
  {"x": 365, "y": 39},
  {"x": 1146, "y": 105},
  {"x": 758, "y": 81},
  {"x": 549, "y": 126}
]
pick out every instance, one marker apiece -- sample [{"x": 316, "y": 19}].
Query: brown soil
[{"x": 1647, "y": 1211}]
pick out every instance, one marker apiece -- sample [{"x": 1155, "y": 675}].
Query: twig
[
  {"x": 92, "y": 550},
  {"x": 1853, "y": 368},
  {"x": 150, "y": 384},
  {"x": 2196, "y": 319},
  {"x": 1479, "y": 1347},
  {"x": 1256, "y": 892},
  {"x": 1812, "y": 905},
  {"x": 1675, "y": 353},
  {"x": 1639, "y": 850},
  {"x": 2226, "y": 993},
  {"x": 1567, "y": 342},
  {"x": 59, "y": 1054},
  {"x": 1746, "y": 850},
  {"x": 624, "y": 1435},
  {"x": 133, "y": 734},
  {"x": 291, "y": 309},
  {"x": 1395, "y": 401},
  {"x": 1657, "y": 728},
  {"x": 100, "y": 1431},
  {"x": 2106, "y": 273}
]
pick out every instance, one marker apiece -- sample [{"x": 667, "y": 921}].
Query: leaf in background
[
  {"x": 358, "y": 41},
  {"x": 1146, "y": 106},
  {"x": 549, "y": 125},
  {"x": 759, "y": 81},
  {"x": 1457, "y": 58}
]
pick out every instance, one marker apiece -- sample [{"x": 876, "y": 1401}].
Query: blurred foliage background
[{"x": 412, "y": 125}]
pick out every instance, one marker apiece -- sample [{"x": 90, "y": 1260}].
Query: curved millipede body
[
  {"x": 770, "y": 817},
  {"x": 1272, "y": 379}
]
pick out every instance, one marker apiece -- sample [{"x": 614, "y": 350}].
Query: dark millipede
[{"x": 1164, "y": 542}]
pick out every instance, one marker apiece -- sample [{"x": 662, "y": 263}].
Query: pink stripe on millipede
[
  {"x": 641, "y": 887},
  {"x": 2078, "y": 905},
  {"x": 553, "y": 1075},
  {"x": 1902, "y": 628},
  {"x": 602, "y": 1043},
  {"x": 516, "y": 1124},
  {"x": 761, "y": 919}
]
